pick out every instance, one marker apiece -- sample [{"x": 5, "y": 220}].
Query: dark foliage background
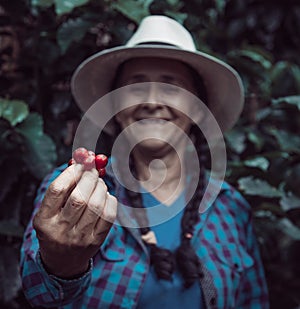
[{"x": 42, "y": 42}]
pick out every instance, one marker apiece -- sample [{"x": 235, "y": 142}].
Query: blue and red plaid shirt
[{"x": 232, "y": 271}]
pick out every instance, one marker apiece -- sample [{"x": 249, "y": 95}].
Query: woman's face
[{"x": 161, "y": 107}]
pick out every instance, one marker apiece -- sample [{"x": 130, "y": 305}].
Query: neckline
[{"x": 162, "y": 203}]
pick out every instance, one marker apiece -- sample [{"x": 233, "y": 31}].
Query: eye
[
  {"x": 137, "y": 89},
  {"x": 169, "y": 89}
]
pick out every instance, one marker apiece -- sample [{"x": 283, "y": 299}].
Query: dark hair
[{"x": 187, "y": 260}]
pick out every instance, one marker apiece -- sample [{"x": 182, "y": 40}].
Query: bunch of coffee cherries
[{"x": 89, "y": 160}]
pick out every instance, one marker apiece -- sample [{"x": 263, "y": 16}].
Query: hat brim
[{"x": 94, "y": 77}]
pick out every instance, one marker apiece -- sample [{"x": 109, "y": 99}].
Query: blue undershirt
[{"x": 158, "y": 293}]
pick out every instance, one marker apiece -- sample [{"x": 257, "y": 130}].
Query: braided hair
[{"x": 186, "y": 258}]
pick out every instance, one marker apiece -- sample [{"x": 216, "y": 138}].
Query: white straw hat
[{"x": 163, "y": 37}]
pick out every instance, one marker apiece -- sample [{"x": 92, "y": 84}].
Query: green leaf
[
  {"x": 259, "y": 187},
  {"x": 263, "y": 113},
  {"x": 135, "y": 10},
  {"x": 67, "y": 6},
  {"x": 295, "y": 70},
  {"x": 255, "y": 56},
  {"x": 272, "y": 208},
  {"x": 173, "y": 2},
  {"x": 293, "y": 100},
  {"x": 257, "y": 139},
  {"x": 278, "y": 69},
  {"x": 236, "y": 140},
  {"x": 287, "y": 141},
  {"x": 289, "y": 201},
  {"x": 42, "y": 3},
  {"x": 220, "y": 5},
  {"x": 180, "y": 17},
  {"x": 41, "y": 153},
  {"x": 73, "y": 30},
  {"x": 14, "y": 111},
  {"x": 258, "y": 162},
  {"x": 287, "y": 227}
]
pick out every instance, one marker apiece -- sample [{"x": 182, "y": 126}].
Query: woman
[{"x": 147, "y": 241}]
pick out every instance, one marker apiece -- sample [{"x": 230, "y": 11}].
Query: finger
[
  {"x": 59, "y": 191},
  {"x": 107, "y": 218},
  {"x": 79, "y": 198},
  {"x": 94, "y": 209}
]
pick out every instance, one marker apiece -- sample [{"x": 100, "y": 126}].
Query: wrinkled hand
[{"x": 73, "y": 221}]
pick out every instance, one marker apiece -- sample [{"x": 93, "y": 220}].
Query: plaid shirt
[{"x": 232, "y": 271}]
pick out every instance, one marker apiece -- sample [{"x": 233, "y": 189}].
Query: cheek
[
  {"x": 183, "y": 104},
  {"x": 193, "y": 113},
  {"x": 186, "y": 125},
  {"x": 124, "y": 99},
  {"x": 124, "y": 117}
]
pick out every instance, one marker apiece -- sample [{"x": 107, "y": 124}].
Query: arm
[
  {"x": 42, "y": 288},
  {"x": 43, "y": 283},
  {"x": 253, "y": 291}
]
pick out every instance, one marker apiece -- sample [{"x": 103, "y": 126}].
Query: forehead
[{"x": 156, "y": 67}]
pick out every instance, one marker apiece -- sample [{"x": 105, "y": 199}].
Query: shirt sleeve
[
  {"x": 253, "y": 291},
  {"x": 40, "y": 287}
]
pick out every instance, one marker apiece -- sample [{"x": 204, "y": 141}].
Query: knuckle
[
  {"x": 91, "y": 176},
  {"x": 76, "y": 200},
  {"x": 36, "y": 222},
  {"x": 113, "y": 201},
  {"x": 41, "y": 229},
  {"x": 102, "y": 185},
  {"x": 95, "y": 208},
  {"x": 79, "y": 241},
  {"x": 55, "y": 189},
  {"x": 109, "y": 214}
]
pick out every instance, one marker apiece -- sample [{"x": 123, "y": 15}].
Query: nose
[{"x": 153, "y": 99}]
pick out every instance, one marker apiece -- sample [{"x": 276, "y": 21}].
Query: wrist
[{"x": 63, "y": 268}]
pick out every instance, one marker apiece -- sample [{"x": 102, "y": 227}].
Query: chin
[{"x": 153, "y": 145}]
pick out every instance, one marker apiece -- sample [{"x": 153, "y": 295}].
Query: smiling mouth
[{"x": 152, "y": 121}]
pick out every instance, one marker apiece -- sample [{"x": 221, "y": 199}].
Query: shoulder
[
  {"x": 229, "y": 216},
  {"x": 231, "y": 196},
  {"x": 230, "y": 203}
]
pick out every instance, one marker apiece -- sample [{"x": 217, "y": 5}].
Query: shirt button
[
  {"x": 212, "y": 301},
  {"x": 201, "y": 275}
]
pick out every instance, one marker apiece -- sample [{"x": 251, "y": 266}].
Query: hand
[{"x": 73, "y": 221}]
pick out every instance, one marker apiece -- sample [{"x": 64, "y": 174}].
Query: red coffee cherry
[
  {"x": 91, "y": 153},
  {"x": 89, "y": 163},
  {"x": 71, "y": 162},
  {"x": 80, "y": 154},
  {"x": 101, "y": 161},
  {"x": 101, "y": 172}
]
